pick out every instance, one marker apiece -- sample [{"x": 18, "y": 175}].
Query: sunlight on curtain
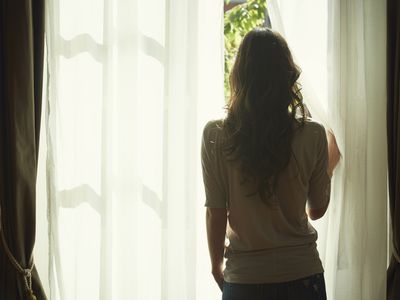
[
  {"x": 344, "y": 87},
  {"x": 131, "y": 84},
  {"x": 41, "y": 249}
]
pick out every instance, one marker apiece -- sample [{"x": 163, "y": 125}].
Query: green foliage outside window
[{"x": 237, "y": 22}]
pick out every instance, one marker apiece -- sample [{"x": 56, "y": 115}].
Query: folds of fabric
[
  {"x": 393, "y": 128},
  {"x": 350, "y": 100},
  {"x": 131, "y": 84},
  {"x": 21, "y": 67}
]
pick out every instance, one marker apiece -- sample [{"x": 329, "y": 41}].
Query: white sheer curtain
[
  {"x": 340, "y": 45},
  {"x": 131, "y": 84}
]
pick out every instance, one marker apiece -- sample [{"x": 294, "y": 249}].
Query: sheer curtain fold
[
  {"x": 336, "y": 44},
  {"x": 131, "y": 85}
]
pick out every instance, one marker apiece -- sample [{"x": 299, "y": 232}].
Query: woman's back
[
  {"x": 261, "y": 165},
  {"x": 270, "y": 240}
]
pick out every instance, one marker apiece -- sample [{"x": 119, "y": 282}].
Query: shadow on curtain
[
  {"x": 393, "y": 112},
  {"x": 21, "y": 65}
]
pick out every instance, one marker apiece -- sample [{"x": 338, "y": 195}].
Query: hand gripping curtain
[
  {"x": 393, "y": 130},
  {"x": 340, "y": 45},
  {"x": 21, "y": 67}
]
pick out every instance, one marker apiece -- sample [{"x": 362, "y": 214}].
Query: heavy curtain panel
[
  {"x": 393, "y": 133},
  {"x": 131, "y": 85},
  {"x": 21, "y": 70},
  {"x": 340, "y": 45}
]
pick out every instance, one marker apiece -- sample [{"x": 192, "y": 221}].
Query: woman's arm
[
  {"x": 333, "y": 152},
  {"x": 319, "y": 188},
  {"x": 216, "y": 219}
]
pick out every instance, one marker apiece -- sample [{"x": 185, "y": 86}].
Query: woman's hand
[
  {"x": 218, "y": 276},
  {"x": 333, "y": 152}
]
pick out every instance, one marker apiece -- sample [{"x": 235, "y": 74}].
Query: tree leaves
[{"x": 237, "y": 22}]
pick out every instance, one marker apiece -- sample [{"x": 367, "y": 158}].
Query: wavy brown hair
[{"x": 263, "y": 108}]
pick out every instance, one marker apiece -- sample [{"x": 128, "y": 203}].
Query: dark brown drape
[
  {"x": 393, "y": 129},
  {"x": 21, "y": 73}
]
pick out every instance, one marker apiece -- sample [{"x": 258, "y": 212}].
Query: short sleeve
[
  {"x": 319, "y": 184},
  {"x": 213, "y": 183}
]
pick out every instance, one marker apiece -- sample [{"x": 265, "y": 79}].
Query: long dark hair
[{"x": 261, "y": 112}]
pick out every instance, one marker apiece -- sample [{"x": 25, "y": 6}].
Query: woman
[{"x": 266, "y": 169}]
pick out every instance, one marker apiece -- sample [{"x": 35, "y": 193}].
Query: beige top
[{"x": 269, "y": 243}]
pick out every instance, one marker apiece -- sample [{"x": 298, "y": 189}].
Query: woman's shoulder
[
  {"x": 311, "y": 126},
  {"x": 213, "y": 134},
  {"x": 214, "y": 124},
  {"x": 213, "y": 127},
  {"x": 310, "y": 132}
]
